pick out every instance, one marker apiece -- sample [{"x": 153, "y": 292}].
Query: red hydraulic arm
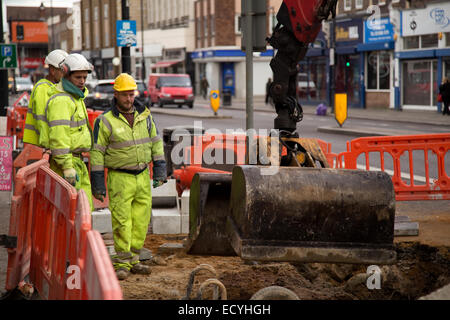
[{"x": 299, "y": 22}]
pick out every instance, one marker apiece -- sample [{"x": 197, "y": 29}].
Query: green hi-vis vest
[
  {"x": 36, "y": 122},
  {"x": 69, "y": 131},
  {"x": 119, "y": 146}
]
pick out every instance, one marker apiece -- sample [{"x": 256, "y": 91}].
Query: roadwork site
[{"x": 422, "y": 267}]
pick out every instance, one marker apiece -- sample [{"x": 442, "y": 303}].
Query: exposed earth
[{"x": 423, "y": 266}]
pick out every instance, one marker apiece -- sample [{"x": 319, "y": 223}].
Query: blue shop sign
[
  {"x": 126, "y": 33},
  {"x": 378, "y": 30}
]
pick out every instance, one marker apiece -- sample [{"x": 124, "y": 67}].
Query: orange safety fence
[
  {"x": 406, "y": 152},
  {"x": 56, "y": 246},
  {"x": 20, "y": 223},
  {"x": 28, "y": 155},
  {"x": 15, "y": 122}
]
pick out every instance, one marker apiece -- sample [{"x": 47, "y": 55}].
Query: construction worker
[
  {"x": 69, "y": 131},
  {"x": 126, "y": 141},
  {"x": 35, "y": 122}
]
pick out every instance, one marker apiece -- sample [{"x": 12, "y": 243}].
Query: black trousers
[{"x": 446, "y": 107}]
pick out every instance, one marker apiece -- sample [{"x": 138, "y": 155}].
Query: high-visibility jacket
[
  {"x": 35, "y": 122},
  {"x": 119, "y": 146},
  {"x": 69, "y": 129}
]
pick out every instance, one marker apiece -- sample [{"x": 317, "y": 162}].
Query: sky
[{"x": 37, "y": 3}]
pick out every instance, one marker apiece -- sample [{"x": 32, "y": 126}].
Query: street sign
[
  {"x": 23, "y": 100},
  {"x": 214, "y": 100},
  {"x": 126, "y": 33},
  {"x": 8, "y": 56},
  {"x": 6, "y": 163},
  {"x": 340, "y": 108}
]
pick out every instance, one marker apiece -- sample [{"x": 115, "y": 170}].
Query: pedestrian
[
  {"x": 204, "y": 87},
  {"x": 126, "y": 140},
  {"x": 444, "y": 90},
  {"x": 36, "y": 128},
  {"x": 69, "y": 131},
  {"x": 269, "y": 82}
]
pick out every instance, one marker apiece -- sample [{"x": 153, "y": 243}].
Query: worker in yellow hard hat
[{"x": 126, "y": 141}]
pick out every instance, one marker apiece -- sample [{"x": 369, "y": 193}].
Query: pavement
[{"x": 418, "y": 117}]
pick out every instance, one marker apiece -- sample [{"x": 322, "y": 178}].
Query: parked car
[
  {"x": 142, "y": 93},
  {"x": 166, "y": 89},
  {"x": 24, "y": 85},
  {"x": 103, "y": 92},
  {"x": 305, "y": 87},
  {"x": 101, "y": 95}
]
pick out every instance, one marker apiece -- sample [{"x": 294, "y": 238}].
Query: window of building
[
  {"x": 395, "y": 1},
  {"x": 359, "y": 4},
  {"x": 199, "y": 28},
  {"x": 378, "y": 70},
  {"x": 238, "y": 24},
  {"x": 411, "y": 42},
  {"x": 150, "y": 10},
  {"x": 381, "y": 2},
  {"x": 86, "y": 14},
  {"x": 212, "y": 20},
  {"x": 347, "y": 5},
  {"x": 95, "y": 13},
  {"x": 205, "y": 26},
  {"x": 106, "y": 24},
  {"x": 429, "y": 41}
]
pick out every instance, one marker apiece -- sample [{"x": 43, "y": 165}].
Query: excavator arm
[{"x": 299, "y": 22}]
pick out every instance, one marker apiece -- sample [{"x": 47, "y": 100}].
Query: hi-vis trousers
[{"x": 130, "y": 203}]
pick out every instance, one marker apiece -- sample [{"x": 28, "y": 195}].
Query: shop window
[
  {"x": 378, "y": 70},
  {"x": 447, "y": 39},
  {"x": 359, "y": 4},
  {"x": 429, "y": 41},
  {"x": 411, "y": 42}
]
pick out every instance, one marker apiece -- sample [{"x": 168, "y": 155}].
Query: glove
[
  {"x": 99, "y": 195},
  {"x": 71, "y": 176},
  {"x": 159, "y": 173},
  {"x": 158, "y": 183},
  {"x": 98, "y": 185}
]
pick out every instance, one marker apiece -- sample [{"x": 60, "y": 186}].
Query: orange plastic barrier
[
  {"x": 15, "y": 123},
  {"x": 398, "y": 146},
  {"x": 92, "y": 115},
  {"x": 28, "y": 155},
  {"x": 20, "y": 223},
  {"x": 69, "y": 260}
]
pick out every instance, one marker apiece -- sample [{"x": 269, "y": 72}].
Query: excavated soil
[{"x": 420, "y": 270}]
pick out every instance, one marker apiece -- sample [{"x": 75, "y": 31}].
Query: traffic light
[
  {"x": 347, "y": 62},
  {"x": 19, "y": 32}
]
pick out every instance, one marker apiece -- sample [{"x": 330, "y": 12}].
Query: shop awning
[{"x": 165, "y": 63}]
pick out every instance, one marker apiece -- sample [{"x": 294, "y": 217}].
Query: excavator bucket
[
  {"x": 294, "y": 215},
  {"x": 312, "y": 215},
  {"x": 209, "y": 204}
]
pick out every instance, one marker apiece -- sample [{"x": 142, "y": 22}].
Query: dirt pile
[{"x": 420, "y": 269}]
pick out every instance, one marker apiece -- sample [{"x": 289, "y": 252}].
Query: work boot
[
  {"x": 122, "y": 273},
  {"x": 140, "y": 268}
]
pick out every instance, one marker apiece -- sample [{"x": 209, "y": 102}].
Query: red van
[{"x": 167, "y": 88}]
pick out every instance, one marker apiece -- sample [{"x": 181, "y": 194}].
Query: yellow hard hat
[{"x": 124, "y": 82}]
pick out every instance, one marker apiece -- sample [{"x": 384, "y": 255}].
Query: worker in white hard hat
[
  {"x": 69, "y": 131},
  {"x": 36, "y": 129}
]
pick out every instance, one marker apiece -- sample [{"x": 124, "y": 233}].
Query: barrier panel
[
  {"x": 92, "y": 115},
  {"x": 28, "y": 155},
  {"x": 64, "y": 254},
  {"x": 20, "y": 223},
  {"x": 397, "y": 147},
  {"x": 15, "y": 123}
]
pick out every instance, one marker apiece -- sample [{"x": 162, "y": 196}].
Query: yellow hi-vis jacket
[
  {"x": 69, "y": 129},
  {"x": 119, "y": 146},
  {"x": 36, "y": 122}
]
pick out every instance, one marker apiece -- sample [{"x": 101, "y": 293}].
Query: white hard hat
[
  {"x": 55, "y": 57},
  {"x": 76, "y": 62}
]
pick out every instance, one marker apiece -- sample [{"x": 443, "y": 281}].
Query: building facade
[{"x": 218, "y": 55}]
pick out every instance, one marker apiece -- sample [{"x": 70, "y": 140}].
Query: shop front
[
  {"x": 313, "y": 74},
  {"x": 423, "y": 56},
  {"x": 378, "y": 50},
  {"x": 349, "y": 74}
]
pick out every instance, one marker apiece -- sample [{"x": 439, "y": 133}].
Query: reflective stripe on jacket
[
  {"x": 35, "y": 123},
  {"x": 69, "y": 129},
  {"x": 119, "y": 146}
]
